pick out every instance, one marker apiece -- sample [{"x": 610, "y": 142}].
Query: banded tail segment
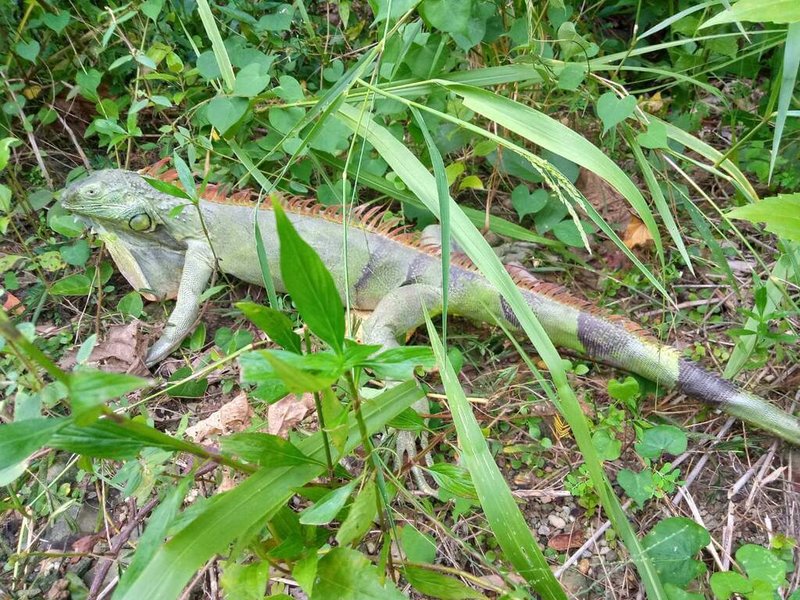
[{"x": 580, "y": 326}]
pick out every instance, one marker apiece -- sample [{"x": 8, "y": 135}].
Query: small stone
[
  {"x": 543, "y": 530},
  {"x": 584, "y": 565},
  {"x": 556, "y": 521}
]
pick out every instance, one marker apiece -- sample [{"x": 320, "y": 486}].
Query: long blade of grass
[
  {"x": 660, "y": 202},
  {"x": 248, "y": 507},
  {"x": 499, "y": 506},
  {"x": 443, "y": 192},
  {"x": 421, "y": 182},
  {"x": 791, "y": 63},
  {"x": 548, "y": 133},
  {"x": 217, "y": 45}
]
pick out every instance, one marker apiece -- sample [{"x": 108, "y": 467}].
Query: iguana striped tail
[{"x": 578, "y": 325}]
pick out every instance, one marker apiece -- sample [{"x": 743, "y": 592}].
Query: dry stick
[
  {"x": 698, "y": 468},
  {"x": 119, "y": 542},
  {"x": 200, "y": 574},
  {"x": 699, "y": 519},
  {"x": 768, "y": 457},
  {"x": 72, "y": 137}
]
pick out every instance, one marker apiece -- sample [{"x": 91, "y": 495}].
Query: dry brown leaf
[
  {"x": 230, "y": 418},
  {"x": 288, "y": 412},
  {"x": 566, "y": 541},
  {"x": 611, "y": 205},
  {"x": 636, "y": 234},
  {"x": 121, "y": 351}
]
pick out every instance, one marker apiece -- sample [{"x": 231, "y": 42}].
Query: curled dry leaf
[
  {"x": 636, "y": 234},
  {"x": 611, "y": 205},
  {"x": 566, "y": 541},
  {"x": 121, "y": 351},
  {"x": 230, "y": 418},
  {"x": 288, "y": 412}
]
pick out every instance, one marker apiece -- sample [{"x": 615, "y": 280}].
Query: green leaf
[
  {"x": 639, "y": 486},
  {"x": 28, "y": 50},
  {"x": 326, "y": 508},
  {"x": 274, "y": 323},
  {"x": 780, "y": 214},
  {"x": 447, "y": 16},
  {"x": 251, "y": 81},
  {"x": 398, "y": 364},
  {"x": 672, "y": 545},
  {"x": 72, "y": 285},
  {"x": 76, "y": 254},
  {"x": 762, "y": 565},
  {"x": 207, "y": 65},
  {"x": 224, "y": 112},
  {"x": 625, "y": 390},
  {"x": 758, "y": 11},
  {"x": 20, "y": 439},
  {"x": 417, "y": 546},
  {"x": 296, "y": 380},
  {"x": 310, "y": 284},
  {"x": 57, "y": 22},
  {"x": 152, "y": 8},
  {"x": 85, "y": 350},
  {"x": 265, "y": 449},
  {"x": 5, "y": 151},
  {"x": 280, "y": 20},
  {"x": 654, "y": 137},
  {"x": 791, "y": 65},
  {"x": 527, "y": 203},
  {"x": 246, "y": 582},
  {"x": 607, "y": 445},
  {"x": 193, "y": 388},
  {"x": 360, "y": 517},
  {"x": 613, "y": 110},
  {"x": 168, "y": 188},
  {"x": 88, "y": 82},
  {"x": 158, "y": 526},
  {"x": 660, "y": 439},
  {"x": 240, "y": 512},
  {"x": 436, "y": 585},
  {"x": 727, "y": 583},
  {"x": 345, "y": 574},
  {"x": 89, "y": 389},
  {"x": 217, "y": 45},
  {"x": 131, "y": 304}
]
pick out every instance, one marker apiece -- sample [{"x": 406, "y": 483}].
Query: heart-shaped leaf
[
  {"x": 223, "y": 112},
  {"x": 613, "y": 110},
  {"x": 527, "y": 203},
  {"x": 57, "y": 22},
  {"x": 654, "y": 137},
  {"x": 251, "y": 81},
  {"x": 28, "y": 50}
]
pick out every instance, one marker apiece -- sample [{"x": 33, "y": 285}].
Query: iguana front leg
[
  {"x": 397, "y": 313},
  {"x": 197, "y": 269}
]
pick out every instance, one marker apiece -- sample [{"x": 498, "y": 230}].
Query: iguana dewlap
[{"x": 163, "y": 250}]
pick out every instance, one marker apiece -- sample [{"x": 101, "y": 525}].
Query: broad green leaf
[
  {"x": 526, "y": 202},
  {"x": 217, "y": 45},
  {"x": 246, "y": 581},
  {"x": 85, "y": 350},
  {"x": 72, "y": 285},
  {"x": 207, "y": 66},
  {"x": 278, "y": 20},
  {"x": 193, "y": 387},
  {"x": 326, "y": 508},
  {"x": 58, "y": 21},
  {"x": 780, "y": 214},
  {"x": 89, "y": 389},
  {"x": 672, "y": 545},
  {"x": 76, "y": 254},
  {"x": 727, "y": 583},
  {"x": 398, "y": 364},
  {"x": 310, "y": 284},
  {"x": 758, "y": 11},
  {"x": 639, "y": 486},
  {"x": 660, "y": 439},
  {"x": 762, "y": 565},
  {"x": 234, "y": 514},
  {"x": 613, "y": 110},
  {"x": 224, "y": 112},
  {"x": 20, "y": 439},
  {"x": 417, "y": 546},
  {"x": 28, "y": 50},
  {"x": 274, "y": 323},
  {"x": 607, "y": 445},
  {"x": 361, "y": 516},
  {"x": 297, "y": 380},
  {"x": 152, "y": 8},
  {"x": 437, "y": 585},
  {"x": 654, "y": 137},
  {"x": 101, "y": 439},
  {"x": 251, "y": 81},
  {"x": 345, "y": 574},
  {"x": 131, "y": 304},
  {"x": 264, "y": 449},
  {"x": 88, "y": 82}
]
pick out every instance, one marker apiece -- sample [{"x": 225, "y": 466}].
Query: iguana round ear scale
[{"x": 140, "y": 222}]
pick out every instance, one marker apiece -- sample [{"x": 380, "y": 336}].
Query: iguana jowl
[{"x": 168, "y": 252}]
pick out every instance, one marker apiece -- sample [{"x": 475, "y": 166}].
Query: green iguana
[{"x": 165, "y": 252}]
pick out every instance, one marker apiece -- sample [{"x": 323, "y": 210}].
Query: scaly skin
[{"x": 386, "y": 273}]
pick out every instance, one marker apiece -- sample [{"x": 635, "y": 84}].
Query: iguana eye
[{"x": 140, "y": 222}]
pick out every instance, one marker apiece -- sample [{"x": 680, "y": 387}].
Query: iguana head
[{"x": 118, "y": 199}]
